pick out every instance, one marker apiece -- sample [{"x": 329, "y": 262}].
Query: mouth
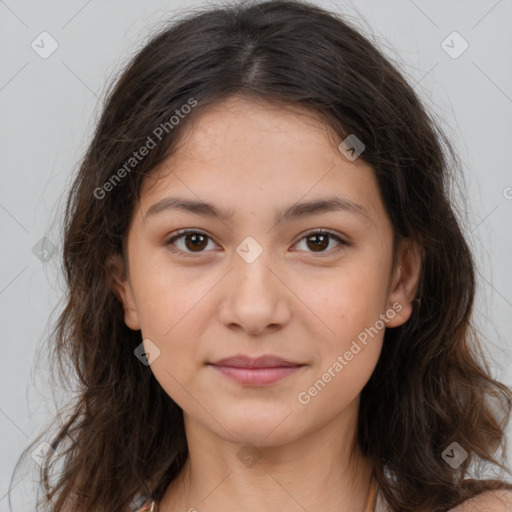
[{"x": 260, "y": 371}]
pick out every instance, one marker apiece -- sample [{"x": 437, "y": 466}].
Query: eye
[
  {"x": 189, "y": 242},
  {"x": 320, "y": 240}
]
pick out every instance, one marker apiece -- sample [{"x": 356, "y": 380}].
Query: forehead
[
  {"x": 244, "y": 122},
  {"x": 241, "y": 153}
]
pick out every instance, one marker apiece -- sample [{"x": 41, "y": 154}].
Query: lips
[
  {"x": 259, "y": 371},
  {"x": 268, "y": 361}
]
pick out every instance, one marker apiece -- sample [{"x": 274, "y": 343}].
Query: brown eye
[
  {"x": 320, "y": 242},
  {"x": 188, "y": 242},
  {"x": 195, "y": 241}
]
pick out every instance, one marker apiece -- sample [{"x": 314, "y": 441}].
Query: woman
[{"x": 270, "y": 294}]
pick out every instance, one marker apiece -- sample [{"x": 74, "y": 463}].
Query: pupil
[
  {"x": 196, "y": 238},
  {"x": 322, "y": 243}
]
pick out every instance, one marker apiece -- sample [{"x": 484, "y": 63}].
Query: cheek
[
  {"x": 167, "y": 295},
  {"x": 175, "y": 327},
  {"x": 337, "y": 384},
  {"x": 171, "y": 312},
  {"x": 351, "y": 298},
  {"x": 345, "y": 362},
  {"x": 352, "y": 305}
]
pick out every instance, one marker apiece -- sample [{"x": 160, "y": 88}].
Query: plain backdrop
[{"x": 50, "y": 103}]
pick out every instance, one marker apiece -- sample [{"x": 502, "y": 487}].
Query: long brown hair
[{"x": 122, "y": 440}]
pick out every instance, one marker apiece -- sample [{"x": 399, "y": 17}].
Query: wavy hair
[{"x": 122, "y": 440}]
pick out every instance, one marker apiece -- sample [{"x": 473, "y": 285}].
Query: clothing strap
[
  {"x": 148, "y": 507},
  {"x": 371, "y": 501}
]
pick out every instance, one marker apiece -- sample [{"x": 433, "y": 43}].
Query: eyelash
[{"x": 183, "y": 232}]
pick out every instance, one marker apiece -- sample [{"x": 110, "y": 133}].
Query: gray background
[{"x": 49, "y": 107}]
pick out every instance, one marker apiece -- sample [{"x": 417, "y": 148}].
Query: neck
[{"x": 324, "y": 470}]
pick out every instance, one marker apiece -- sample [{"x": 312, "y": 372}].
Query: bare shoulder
[{"x": 490, "y": 501}]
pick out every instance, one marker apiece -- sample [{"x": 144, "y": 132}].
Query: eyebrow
[{"x": 294, "y": 211}]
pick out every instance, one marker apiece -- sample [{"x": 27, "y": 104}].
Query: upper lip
[{"x": 266, "y": 361}]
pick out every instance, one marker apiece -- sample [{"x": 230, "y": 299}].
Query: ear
[
  {"x": 404, "y": 281},
  {"x": 120, "y": 285}
]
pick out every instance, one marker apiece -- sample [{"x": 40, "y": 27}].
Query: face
[{"x": 261, "y": 273}]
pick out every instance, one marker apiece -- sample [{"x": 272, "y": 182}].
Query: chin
[{"x": 267, "y": 428}]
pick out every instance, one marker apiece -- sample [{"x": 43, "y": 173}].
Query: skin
[{"x": 292, "y": 301}]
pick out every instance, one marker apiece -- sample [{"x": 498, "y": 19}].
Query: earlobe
[
  {"x": 404, "y": 284},
  {"x": 120, "y": 285}
]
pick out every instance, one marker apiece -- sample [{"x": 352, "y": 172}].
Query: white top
[{"x": 380, "y": 505}]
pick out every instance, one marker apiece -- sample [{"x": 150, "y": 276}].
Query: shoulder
[{"x": 490, "y": 501}]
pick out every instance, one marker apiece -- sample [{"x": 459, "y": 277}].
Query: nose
[{"x": 256, "y": 298}]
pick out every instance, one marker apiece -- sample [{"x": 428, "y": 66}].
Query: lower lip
[{"x": 257, "y": 376}]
